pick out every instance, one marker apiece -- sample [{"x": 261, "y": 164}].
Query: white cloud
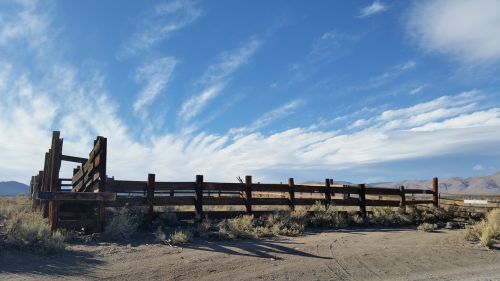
[
  {"x": 160, "y": 23},
  {"x": 269, "y": 117},
  {"x": 466, "y": 30},
  {"x": 215, "y": 78},
  {"x": 155, "y": 75},
  {"x": 375, "y": 8},
  {"x": 478, "y": 167},
  {"x": 417, "y": 90}
]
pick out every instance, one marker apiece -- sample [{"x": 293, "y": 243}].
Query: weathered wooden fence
[
  {"x": 91, "y": 192},
  {"x": 469, "y": 205}
]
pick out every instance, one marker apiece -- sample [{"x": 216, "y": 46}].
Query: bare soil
[{"x": 353, "y": 254}]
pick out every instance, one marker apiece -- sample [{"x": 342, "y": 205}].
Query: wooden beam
[
  {"x": 403, "y": 199},
  {"x": 362, "y": 200},
  {"x": 291, "y": 193},
  {"x": 77, "y": 196},
  {"x": 150, "y": 189},
  {"x": 435, "y": 192},
  {"x": 198, "y": 199},
  {"x": 73, "y": 159},
  {"x": 248, "y": 194},
  {"x": 328, "y": 195}
]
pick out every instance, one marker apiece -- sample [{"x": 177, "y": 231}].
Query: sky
[{"x": 360, "y": 91}]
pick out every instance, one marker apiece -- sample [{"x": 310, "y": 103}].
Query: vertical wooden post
[
  {"x": 402, "y": 203},
  {"x": 54, "y": 184},
  {"x": 150, "y": 194},
  {"x": 332, "y": 194},
  {"x": 435, "y": 192},
  {"x": 248, "y": 193},
  {"x": 328, "y": 194},
  {"x": 102, "y": 163},
  {"x": 291, "y": 193},
  {"x": 45, "y": 185},
  {"x": 198, "y": 205},
  {"x": 362, "y": 200}
]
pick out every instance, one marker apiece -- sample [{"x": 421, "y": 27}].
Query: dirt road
[{"x": 356, "y": 254}]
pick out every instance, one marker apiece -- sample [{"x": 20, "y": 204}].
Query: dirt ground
[{"x": 354, "y": 254}]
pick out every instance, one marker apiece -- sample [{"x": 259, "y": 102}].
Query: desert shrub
[
  {"x": 384, "y": 216},
  {"x": 427, "y": 227},
  {"x": 240, "y": 227},
  {"x": 322, "y": 217},
  {"x": 355, "y": 219},
  {"x": 485, "y": 231},
  {"x": 160, "y": 235},
  {"x": 435, "y": 216},
  {"x": 287, "y": 223},
  {"x": 166, "y": 219},
  {"x": 123, "y": 224},
  {"x": 488, "y": 233},
  {"x": 180, "y": 237},
  {"x": 30, "y": 231}
]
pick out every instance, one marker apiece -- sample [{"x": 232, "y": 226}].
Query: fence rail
[{"x": 90, "y": 192}]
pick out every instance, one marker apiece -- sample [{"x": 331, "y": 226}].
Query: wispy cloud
[
  {"x": 375, "y": 8},
  {"x": 215, "y": 79},
  {"x": 155, "y": 75},
  {"x": 160, "y": 23},
  {"x": 464, "y": 30},
  {"x": 269, "y": 117},
  {"x": 478, "y": 167}
]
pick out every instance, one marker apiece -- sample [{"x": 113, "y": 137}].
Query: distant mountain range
[
  {"x": 485, "y": 185},
  {"x": 12, "y": 188}
]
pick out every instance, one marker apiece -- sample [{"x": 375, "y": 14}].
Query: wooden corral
[{"x": 86, "y": 195}]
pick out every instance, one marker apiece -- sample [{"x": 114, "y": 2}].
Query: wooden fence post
[
  {"x": 198, "y": 205},
  {"x": 402, "y": 203},
  {"x": 362, "y": 200},
  {"x": 54, "y": 184},
  {"x": 435, "y": 192},
  {"x": 328, "y": 194},
  {"x": 150, "y": 195},
  {"x": 291, "y": 193},
  {"x": 248, "y": 192},
  {"x": 102, "y": 163}
]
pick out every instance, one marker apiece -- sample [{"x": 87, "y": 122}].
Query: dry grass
[
  {"x": 123, "y": 224},
  {"x": 26, "y": 230},
  {"x": 486, "y": 231}
]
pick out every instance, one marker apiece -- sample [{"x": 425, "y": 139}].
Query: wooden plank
[
  {"x": 309, "y": 188},
  {"x": 224, "y": 186},
  {"x": 345, "y": 189},
  {"x": 382, "y": 191},
  {"x": 175, "y": 186},
  {"x": 270, "y": 187},
  {"x": 270, "y": 201},
  {"x": 418, "y": 202},
  {"x": 73, "y": 159},
  {"x": 174, "y": 201},
  {"x": 418, "y": 191},
  {"x": 223, "y": 201},
  {"x": 383, "y": 203},
  {"x": 346, "y": 202},
  {"x": 309, "y": 201},
  {"x": 127, "y": 186},
  {"x": 77, "y": 196}
]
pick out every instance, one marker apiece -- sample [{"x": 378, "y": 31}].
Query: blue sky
[{"x": 362, "y": 91}]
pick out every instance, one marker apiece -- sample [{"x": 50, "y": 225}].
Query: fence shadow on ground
[
  {"x": 68, "y": 263},
  {"x": 266, "y": 249}
]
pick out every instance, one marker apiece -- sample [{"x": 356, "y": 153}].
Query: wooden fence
[
  {"x": 469, "y": 205},
  {"x": 91, "y": 192}
]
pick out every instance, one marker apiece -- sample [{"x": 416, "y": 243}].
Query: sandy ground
[{"x": 355, "y": 254}]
